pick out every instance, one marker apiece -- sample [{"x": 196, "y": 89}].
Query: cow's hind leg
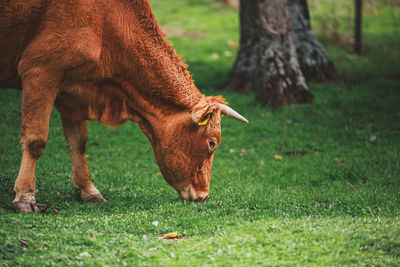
[
  {"x": 37, "y": 102},
  {"x": 75, "y": 133}
]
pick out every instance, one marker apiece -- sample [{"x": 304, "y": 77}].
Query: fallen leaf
[
  {"x": 46, "y": 206},
  {"x": 232, "y": 44},
  {"x": 278, "y": 157},
  {"x": 58, "y": 192},
  {"x": 170, "y": 235},
  {"x": 55, "y": 211},
  {"x": 23, "y": 241},
  {"x": 214, "y": 56}
]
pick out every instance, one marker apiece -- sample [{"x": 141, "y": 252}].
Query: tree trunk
[
  {"x": 314, "y": 62},
  {"x": 267, "y": 55}
]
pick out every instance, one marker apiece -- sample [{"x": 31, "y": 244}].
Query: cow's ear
[{"x": 204, "y": 110}]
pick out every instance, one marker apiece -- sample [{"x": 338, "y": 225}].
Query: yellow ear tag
[{"x": 203, "y": 122}]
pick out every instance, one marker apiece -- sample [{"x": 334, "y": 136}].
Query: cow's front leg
[
  {"x": 75, "y": 133},
  {"x": 25, "y": 184},
  {"x": 38, "y": 98}
]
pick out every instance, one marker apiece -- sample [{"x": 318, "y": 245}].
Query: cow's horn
[{"x": 226, "y": 110}]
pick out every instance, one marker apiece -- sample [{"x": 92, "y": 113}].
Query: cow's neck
[{"x": 151, "y": 72}]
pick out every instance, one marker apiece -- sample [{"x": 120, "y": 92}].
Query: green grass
[{"x": 337, "y": 205}]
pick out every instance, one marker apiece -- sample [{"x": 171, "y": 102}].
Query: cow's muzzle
[{"x": 191, "y": 195}]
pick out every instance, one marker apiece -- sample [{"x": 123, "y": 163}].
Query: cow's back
[{"x": 19, "y": 22}]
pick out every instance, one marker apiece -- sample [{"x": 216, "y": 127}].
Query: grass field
[{"x": 301, "y": 185}]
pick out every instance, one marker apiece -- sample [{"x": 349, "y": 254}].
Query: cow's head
[{"x": 184, "y": 144}]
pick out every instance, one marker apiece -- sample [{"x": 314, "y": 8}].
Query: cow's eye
[{"x": 212, "y": 144}]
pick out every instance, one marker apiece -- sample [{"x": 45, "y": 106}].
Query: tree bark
[
  {"x": 267, "y": 55},
  {"x": 314, "y": 62}
]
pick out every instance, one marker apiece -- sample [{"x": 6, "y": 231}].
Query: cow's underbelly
[
  {"x": 8, "y": 75},
  {"x": 9, "y": 54},
  {"x": 72, "y": 107},
  {"x": 101, "y": 102}
]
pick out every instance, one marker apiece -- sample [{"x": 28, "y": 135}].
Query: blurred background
[{"x": 206, "y": 34}]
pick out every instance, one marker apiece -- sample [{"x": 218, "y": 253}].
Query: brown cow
[{"x": 105, "y": 60}]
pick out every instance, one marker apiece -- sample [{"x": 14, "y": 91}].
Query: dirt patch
[{"x": 234, "y": 3}]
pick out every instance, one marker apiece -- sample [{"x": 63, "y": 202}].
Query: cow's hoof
[
  {"x": 25, "y": 207},
  {"x": 95, "y": 198}
]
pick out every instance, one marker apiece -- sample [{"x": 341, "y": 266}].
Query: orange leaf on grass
[{"x": 170, "y": 235}]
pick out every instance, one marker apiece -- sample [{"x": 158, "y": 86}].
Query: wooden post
[{"x": 358, "y": 27}]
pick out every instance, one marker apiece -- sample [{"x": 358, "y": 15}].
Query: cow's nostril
[{"x": 201, "y": 198}]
